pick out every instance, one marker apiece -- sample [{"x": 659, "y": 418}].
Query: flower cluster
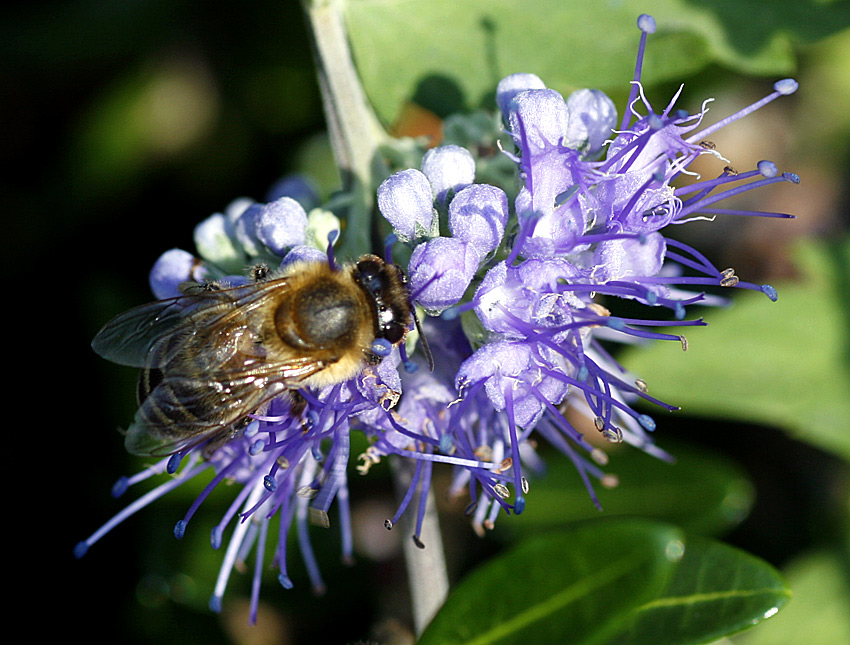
[{"x": 510, "y": 289}]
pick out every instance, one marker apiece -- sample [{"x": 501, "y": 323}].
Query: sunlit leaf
[
  {"x": 818, "y": 611},
  {"x": 573, "y": 586},
  {"x": 783, "y": 364},
  {"x": 715, "y": 591},
  {"x": 583, "y": 585},
  {"x": 448, "y": 55}
]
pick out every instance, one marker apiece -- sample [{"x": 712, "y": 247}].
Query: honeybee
[{"x": 217, "y": 354}]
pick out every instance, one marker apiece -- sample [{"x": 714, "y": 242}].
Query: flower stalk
[
  {"x": 354, "y": 130},
  {"x": 423, "y": 555},
  {"x": 356, "y": 136}
]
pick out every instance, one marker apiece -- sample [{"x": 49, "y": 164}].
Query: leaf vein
[
  {"x": 557, "y": 601},
  {"x": 691, "y": 599}
]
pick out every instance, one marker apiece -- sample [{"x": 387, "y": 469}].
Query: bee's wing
[
  {"x": 184, "y": 410},
  {"x": 202, "y": 371},
  {"x": 129, "y": 338}
]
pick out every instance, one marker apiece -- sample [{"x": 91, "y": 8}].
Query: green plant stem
[
  {"x": 426, "y": 567},
  {"x": 354, "y": 130},
  {"x": 356, "y": 136}
]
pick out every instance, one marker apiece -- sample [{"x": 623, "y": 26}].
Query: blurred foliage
[
  {"x": 740, "y": 367},
  {"x": 701, "y": 491},
  {"x": 127, "y": 123}
]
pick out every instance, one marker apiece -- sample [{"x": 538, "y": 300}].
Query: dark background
[{"x": 93, "y": 192}]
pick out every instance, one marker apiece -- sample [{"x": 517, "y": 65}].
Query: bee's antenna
[{"x": 332, "y": 237}]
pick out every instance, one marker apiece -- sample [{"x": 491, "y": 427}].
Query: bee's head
[{"x": 386, "y": 286}]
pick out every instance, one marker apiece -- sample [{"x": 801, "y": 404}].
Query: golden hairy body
[{"x": 217, "y": 354}]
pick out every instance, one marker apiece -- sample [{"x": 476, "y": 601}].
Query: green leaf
[
  {"x": 715, "y": 591},
  {"x": 702, "y": 492},
  {"x": 784, "y": 364},
  {"x": 448, "y": 56},
  {"x": 616, "y": 581},
  {"x": 818, "y": 612},
  {"x": 573, "y": 586}
]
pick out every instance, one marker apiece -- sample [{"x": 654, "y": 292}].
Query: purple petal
[
  {"x": 440, "y": 271},
  {"x": 623, "y": 258},
  {"x": 478, "y": 215},
  {"x": 448, "y": 168},
  {"x": 593, "y": 116},
  {"x": 280, "y": 224},
  {"x": 405, "y": 200},
  {"x": 512, "y": 85},
  {"x": 171, "y": 269}
]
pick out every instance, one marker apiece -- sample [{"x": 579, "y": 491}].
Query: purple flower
[
  {"x": 245, "y": 228},
  {"x": 448, "y": 168},
  {"x": 173, "y": 268},
  {"x": 514, "y": 375},
  {"x": 515, "y": 328},
  {"x": 288, "y": 468},
  {"x": 629, "y": 257},
  {"x": 512, "y": 85},
  {"x": 280, "y": 224},
  {"x": 271, "y": 228},
  {"x": 303, "y": 253},
  {"x": 551, "y": 205},
  {"x": 478, "y": 215},
  {"x": 592, "y": 118},
  {"x": 406, "y": 201},
  {"x": 510, "y": 299},
  {"x": 440, "y": 272},
  {"x": 590, "y": 222}
]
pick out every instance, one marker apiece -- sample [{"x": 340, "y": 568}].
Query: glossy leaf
[
  {"x": 818, "y": 612},
  {"x": 715, "y": 591},
  {"x": 448, "y": 55},
  {"x": 574, "y": 586},
  {"x": 622, "y": 580},
  {"x": 785, "y": 364}
]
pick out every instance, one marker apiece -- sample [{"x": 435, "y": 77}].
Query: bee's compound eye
[{"x": 394, "y": 332}]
